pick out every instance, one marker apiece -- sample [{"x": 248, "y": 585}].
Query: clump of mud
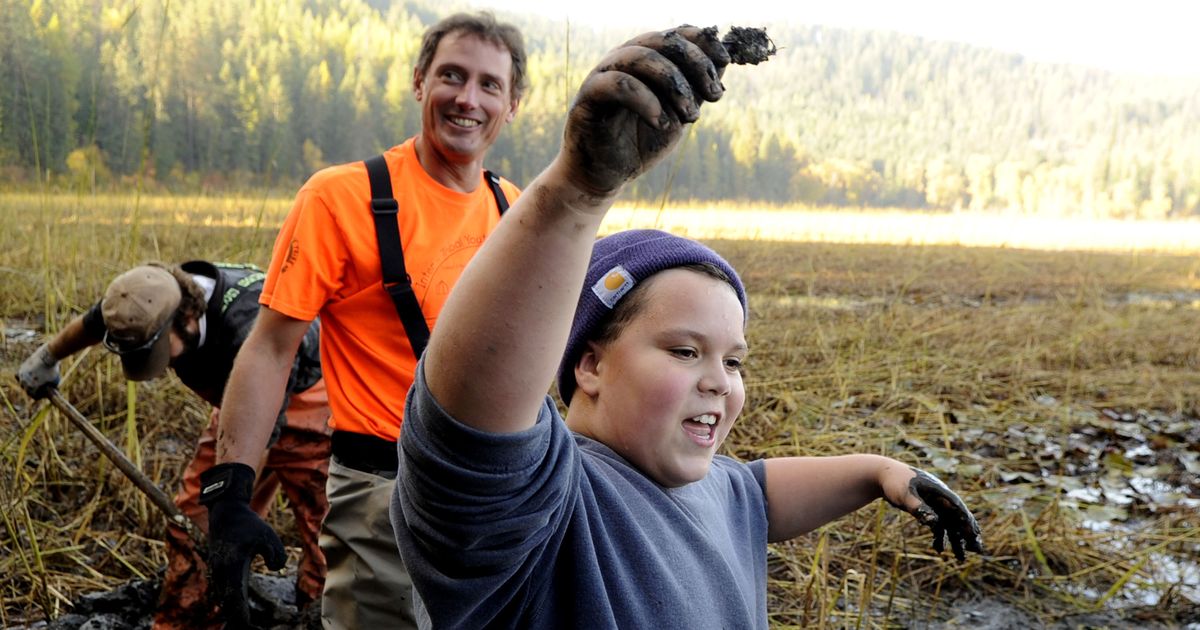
[
  {"x": 131, "y": 607},
  {"x": 127, "y": 607},
  {"x": 748, "y": 45}
]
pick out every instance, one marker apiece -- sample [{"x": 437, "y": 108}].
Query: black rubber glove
[
  {"x": 943, "y": 512},
  {"x": 236, "y": 534}
]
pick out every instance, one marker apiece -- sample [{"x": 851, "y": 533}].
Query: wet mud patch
[
  {"x": 985, "y": 613},
  {"x": 131, "y": 606}
]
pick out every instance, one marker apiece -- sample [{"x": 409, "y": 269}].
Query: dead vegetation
[{"x": 1057, "y": 392}]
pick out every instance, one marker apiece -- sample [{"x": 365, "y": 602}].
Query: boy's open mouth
[{"x": 702, "y": 426}]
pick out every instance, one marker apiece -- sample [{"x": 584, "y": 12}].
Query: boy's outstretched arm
[
  {"x": 501, "y": 334},
  {"x": 804, "y": 493}
]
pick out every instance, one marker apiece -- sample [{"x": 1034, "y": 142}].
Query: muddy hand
[
  {"x": 631, "y": 109},
  {"x": 943, "y": 512}
]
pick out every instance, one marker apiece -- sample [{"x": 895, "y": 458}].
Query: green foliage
[
  {"x": 266, "y": 91},
  {"x": 87, "y": 168},
  {"x": 978, "y": 128}
]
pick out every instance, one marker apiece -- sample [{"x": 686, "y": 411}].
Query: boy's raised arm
[{"x": 501, "y": 334}]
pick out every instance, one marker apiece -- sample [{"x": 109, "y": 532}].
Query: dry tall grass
[
  {"x": 1024, "y": 378},
  {"x": 901, "y": 227}
]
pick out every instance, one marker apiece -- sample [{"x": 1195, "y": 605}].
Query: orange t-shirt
[{"x": 326, "y": 262}]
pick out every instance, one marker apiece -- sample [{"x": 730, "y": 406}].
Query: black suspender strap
[
  {"x": 391, "y": 253},
  {"x": 396, "y": 280},
  {"x": 493, "y": 181}
]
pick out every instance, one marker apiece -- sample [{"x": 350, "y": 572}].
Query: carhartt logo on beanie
[
  {"x": 618, "y": 263},
  {"x": 612, "y": 286}
]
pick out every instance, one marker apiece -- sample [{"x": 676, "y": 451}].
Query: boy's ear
[{"x": 587, "y": 370}]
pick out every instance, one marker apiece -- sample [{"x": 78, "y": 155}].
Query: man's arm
[
  {"x": 71, "y": 339},
  {"x": 804, "y": 493},
  {"x": 249, "y": 410},
  {"x": 39, "y": 371},
  {"x": 500, "y": 336},
  {"x": 256, "y": 387}
]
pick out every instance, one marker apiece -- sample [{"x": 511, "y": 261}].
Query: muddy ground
[
  {"x": 1063, "y": 393},
  {"x": 131, "y": 607}
]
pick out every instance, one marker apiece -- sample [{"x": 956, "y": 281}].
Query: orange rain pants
[{"x": 299, "y": 464}]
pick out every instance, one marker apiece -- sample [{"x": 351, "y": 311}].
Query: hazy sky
[{"x": 1140, "y": 36}]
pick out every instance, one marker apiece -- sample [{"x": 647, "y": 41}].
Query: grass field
[{"x": 1057, "y": 391}]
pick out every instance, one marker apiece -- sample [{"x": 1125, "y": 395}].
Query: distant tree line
[{"x": 220, "y": 94}]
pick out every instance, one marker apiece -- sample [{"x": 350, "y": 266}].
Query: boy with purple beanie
[{"x": 622, "y": 515}]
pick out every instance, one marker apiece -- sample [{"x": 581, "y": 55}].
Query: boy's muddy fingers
[
  {"x": 611, "y": 118},
  {"x": 939, "y": 538},
  {"x": 974, "y": 538},
  {"x": 953, "y": 516},
  {"x": 926, "y": 515},
  {"x": 967, "y": 529},
  {"x": 962, "y": 528},
  {"x": 662, "y": 75},
  {"x": 956, "y": 545},
  {"x": 706, "y": 39},
  {"x": 696, "y": 52},
  {"x": 628, "y": 114}
]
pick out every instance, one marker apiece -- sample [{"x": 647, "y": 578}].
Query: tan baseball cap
[{"x": 138, "y": 308}]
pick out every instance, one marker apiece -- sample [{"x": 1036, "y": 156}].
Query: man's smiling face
[{"x": 466, "y": 97}]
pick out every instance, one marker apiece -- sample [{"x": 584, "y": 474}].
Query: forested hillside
[{"x": 217, "y": 94}]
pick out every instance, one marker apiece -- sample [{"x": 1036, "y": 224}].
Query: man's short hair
[{"x": 484, "y": 26}]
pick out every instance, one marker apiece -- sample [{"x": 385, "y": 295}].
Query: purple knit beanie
[{"x": 618, "y": 263}]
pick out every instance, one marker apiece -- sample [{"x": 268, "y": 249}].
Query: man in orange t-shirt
[{"x": 469, "y": 77}]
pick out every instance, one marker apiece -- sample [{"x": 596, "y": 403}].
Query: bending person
[{"x": 194, "y": 318}]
